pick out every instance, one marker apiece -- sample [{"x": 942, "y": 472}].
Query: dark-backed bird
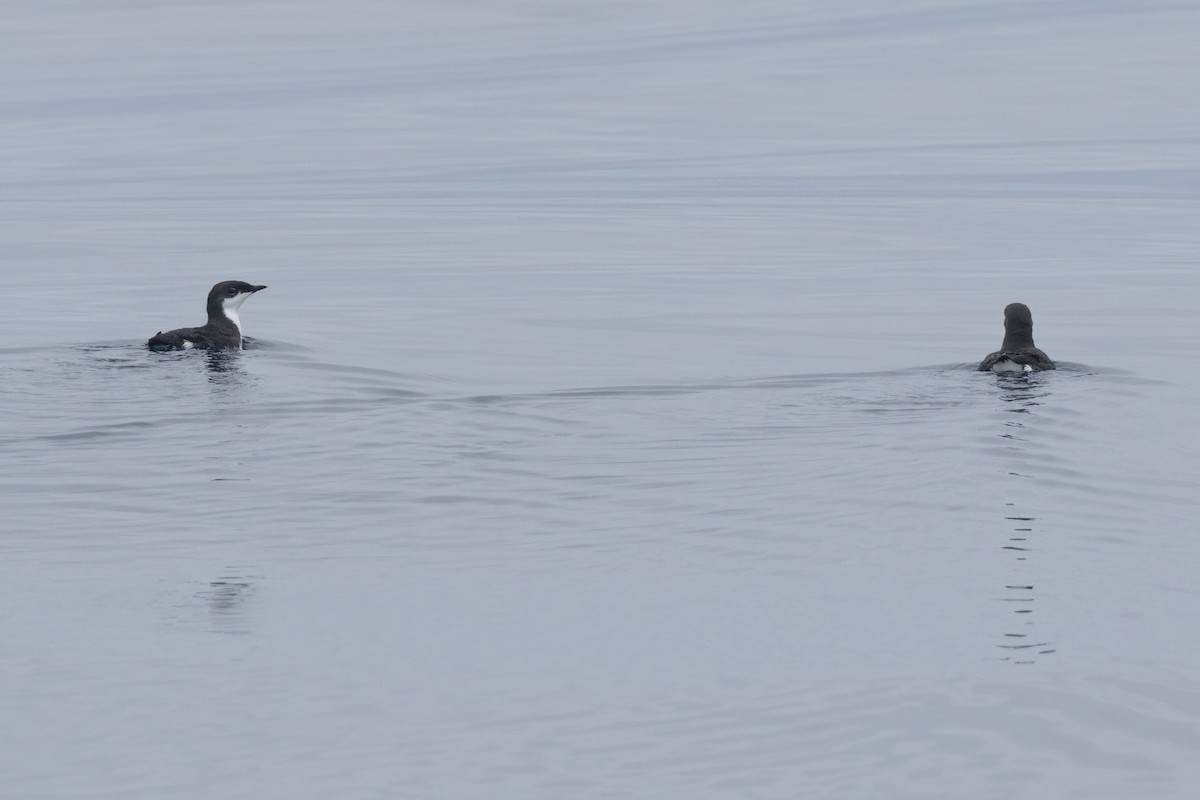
[
  {"x": 223, "y": 331},
  {"x": 1017, "y": 352}
]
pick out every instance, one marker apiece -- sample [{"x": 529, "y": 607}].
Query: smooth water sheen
[{"x": 610, "y": 426}]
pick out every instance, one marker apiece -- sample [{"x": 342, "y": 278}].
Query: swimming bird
[
  {"x": 1017, "y": 352},
  {"x": 223, "y": 331}
]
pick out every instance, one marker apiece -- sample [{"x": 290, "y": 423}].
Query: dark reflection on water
[
  {"x": 222, "y": 361},
  {"x": 226, "y": 597},
  {"x": 226, "y": 372},
  {"x": 1021, "y": 640}
]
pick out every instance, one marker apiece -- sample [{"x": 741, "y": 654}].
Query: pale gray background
[{"x": 611, "y": 430}]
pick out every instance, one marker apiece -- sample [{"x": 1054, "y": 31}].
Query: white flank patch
[
  {"x": 188, "y": 345},
  {"x": 1008, "y": 365}
]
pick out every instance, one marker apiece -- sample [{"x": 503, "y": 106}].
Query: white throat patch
[{"x": 230, "y": 306}]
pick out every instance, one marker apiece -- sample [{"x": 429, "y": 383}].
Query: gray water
[{"x": 609, "y": 426}]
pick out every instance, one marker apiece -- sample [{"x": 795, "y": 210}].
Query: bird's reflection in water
[
  {"x": 1021, "y": 641},
  {"x": 226, "y": 597},
  {"x": 222, "y": 363},
  {"x": 227, "y": 376}
]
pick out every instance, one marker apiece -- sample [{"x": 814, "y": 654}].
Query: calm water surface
[{"x": 609, "y": 427}]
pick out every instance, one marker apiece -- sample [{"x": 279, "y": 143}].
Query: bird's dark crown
[{"x": 223, "y": 291}]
